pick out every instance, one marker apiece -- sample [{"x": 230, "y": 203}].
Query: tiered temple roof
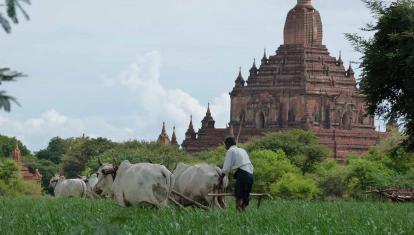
[{"x": 300, "y": 86}]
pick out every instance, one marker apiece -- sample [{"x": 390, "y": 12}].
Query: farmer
[{"x": 238, "y": 159}]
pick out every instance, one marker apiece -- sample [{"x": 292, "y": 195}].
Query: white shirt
[{"x": 237, "y": 158}]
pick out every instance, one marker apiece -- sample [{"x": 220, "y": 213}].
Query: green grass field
[{"x": 82, "y": 216}]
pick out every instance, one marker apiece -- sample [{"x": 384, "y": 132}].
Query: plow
[{"x": 259, "y": 196}]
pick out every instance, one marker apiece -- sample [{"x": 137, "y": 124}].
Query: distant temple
[
  {"x": 301, "y": 86},
  {"x": 24, "y": 171},
  {"x": 164, "y": 139}
]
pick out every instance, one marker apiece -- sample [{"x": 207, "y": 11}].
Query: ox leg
[
  {"x": 213, "y": 202},
  {"x": 120, "y": 199}
]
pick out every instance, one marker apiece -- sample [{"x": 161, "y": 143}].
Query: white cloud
[
  {"x": 157, "y": 103},
  {"x": 154, "y": 104},
  {"x": 36, "y": 132}
]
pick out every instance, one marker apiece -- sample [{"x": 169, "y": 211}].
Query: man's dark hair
[{"x": 230, "y": 141}]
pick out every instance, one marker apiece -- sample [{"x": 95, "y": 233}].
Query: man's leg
[{"x": 239, "y": 204}]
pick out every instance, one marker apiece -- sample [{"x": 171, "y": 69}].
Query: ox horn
[{"x": 114, "y": 162}]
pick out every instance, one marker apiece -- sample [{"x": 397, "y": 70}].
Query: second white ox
[
  {"x": 90, "y": 181},
  {"x": 133, "y": 184},
  {"x": 68, "y": 187},
  {"x": 197, "y": 181}
]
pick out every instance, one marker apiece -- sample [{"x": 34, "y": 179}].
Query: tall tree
[
  {"x": 6, "y": 75},
  {"x": 387, "y": 65},
  {"x": 9, "y": 13}
]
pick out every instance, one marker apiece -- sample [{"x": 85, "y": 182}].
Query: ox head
[
  {"x": 54, "y": 180},
  {"x": 106, "y": 175}
]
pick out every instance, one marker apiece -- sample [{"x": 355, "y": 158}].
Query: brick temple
[
  {"x": 24, "y": 171},
  {"x": 300, "y": 86}
]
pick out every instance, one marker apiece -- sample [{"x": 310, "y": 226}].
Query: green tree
[
  {"x": 9, "y": 12},
  {"x": 9, "y": 170},
  {"x": 7, "y": 144},
  {"x": 54, "y": 151},
  {"x": 331, "y": 178},
  {"x": 387, "y": 77},
  {"x": 47, "y": 168},
  {"x": 270, "y": 167},
  {"x": 79, "y": 153},
  {"x": 301, "y": 147},
  {"x": 139, "y": 151},
  {"x": 10, "y": 182},
  {"x": 391, "y": 153},
  {"x": 364, "y": 175},
  {"x": 294, "y": 186},
  {"x": 6, "y": 75}
]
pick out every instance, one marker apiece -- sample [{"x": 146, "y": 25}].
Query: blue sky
[{"x": 118, "y": 69}]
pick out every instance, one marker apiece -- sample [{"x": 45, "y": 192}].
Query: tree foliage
[
  {"x": 7, "y": 145},
  {"x": 301, "y": 147},
  {"x": 270, "y": 167},
  {"x": 80, "y": 152},
  {"x": 10, "y": 182},
  {"x": 9, "y": 13},
  {"x": 46, "y": 168},
  {"x": 294, "y": 186},
  {"x": 330, "y": 177},
  {"x": 387, "y": 77},
  {"x": 6, "y": 75}
]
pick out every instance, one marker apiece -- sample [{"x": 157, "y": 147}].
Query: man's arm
[
  {"x": 226, "y": 167},
  {"x": 228, "y": 160}
]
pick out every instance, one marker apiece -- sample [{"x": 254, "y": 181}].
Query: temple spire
[
  {"x": 264, "y": 59},
  {"x": 163, "y": 138},
  {"x": 340, "y": 61},
  {"x": 240, "y": 80},
  {"x": 174, "y": 138},
  {"x": 208, "y": 109},
  {"x": 190, "y": 133},
  {"x": 253, "y": 70},
  {"x": 208, "y": 121},
  {"x": 350, "y": 72}
]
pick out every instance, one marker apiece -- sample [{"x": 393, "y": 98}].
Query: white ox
[
  {"x": 90, "y": 181},
  {"x": 68, "y": 187},
  {"x": 133, "y": 184},
  {"x": 197, "y": 181}
]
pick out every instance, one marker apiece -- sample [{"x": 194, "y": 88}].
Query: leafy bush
[
  {"x": 300, "y": 147},
  {"x": 364, "y": 175},
  {"x": 9, "y": 170},
  {"x": 10, "y": 182},
  {"x": 294, "y": 186},
  {"x": 270, "y": 167},
  {"x": 46, "y": 168},
  {"x": 215, "y": 157},
  {"x": 330, "y": 177},
  {"x": 136, "y": 151}
]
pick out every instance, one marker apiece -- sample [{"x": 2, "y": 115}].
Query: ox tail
[
  {"x": 170, "y": 181},
  {"x": 84, "y": 189}
]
